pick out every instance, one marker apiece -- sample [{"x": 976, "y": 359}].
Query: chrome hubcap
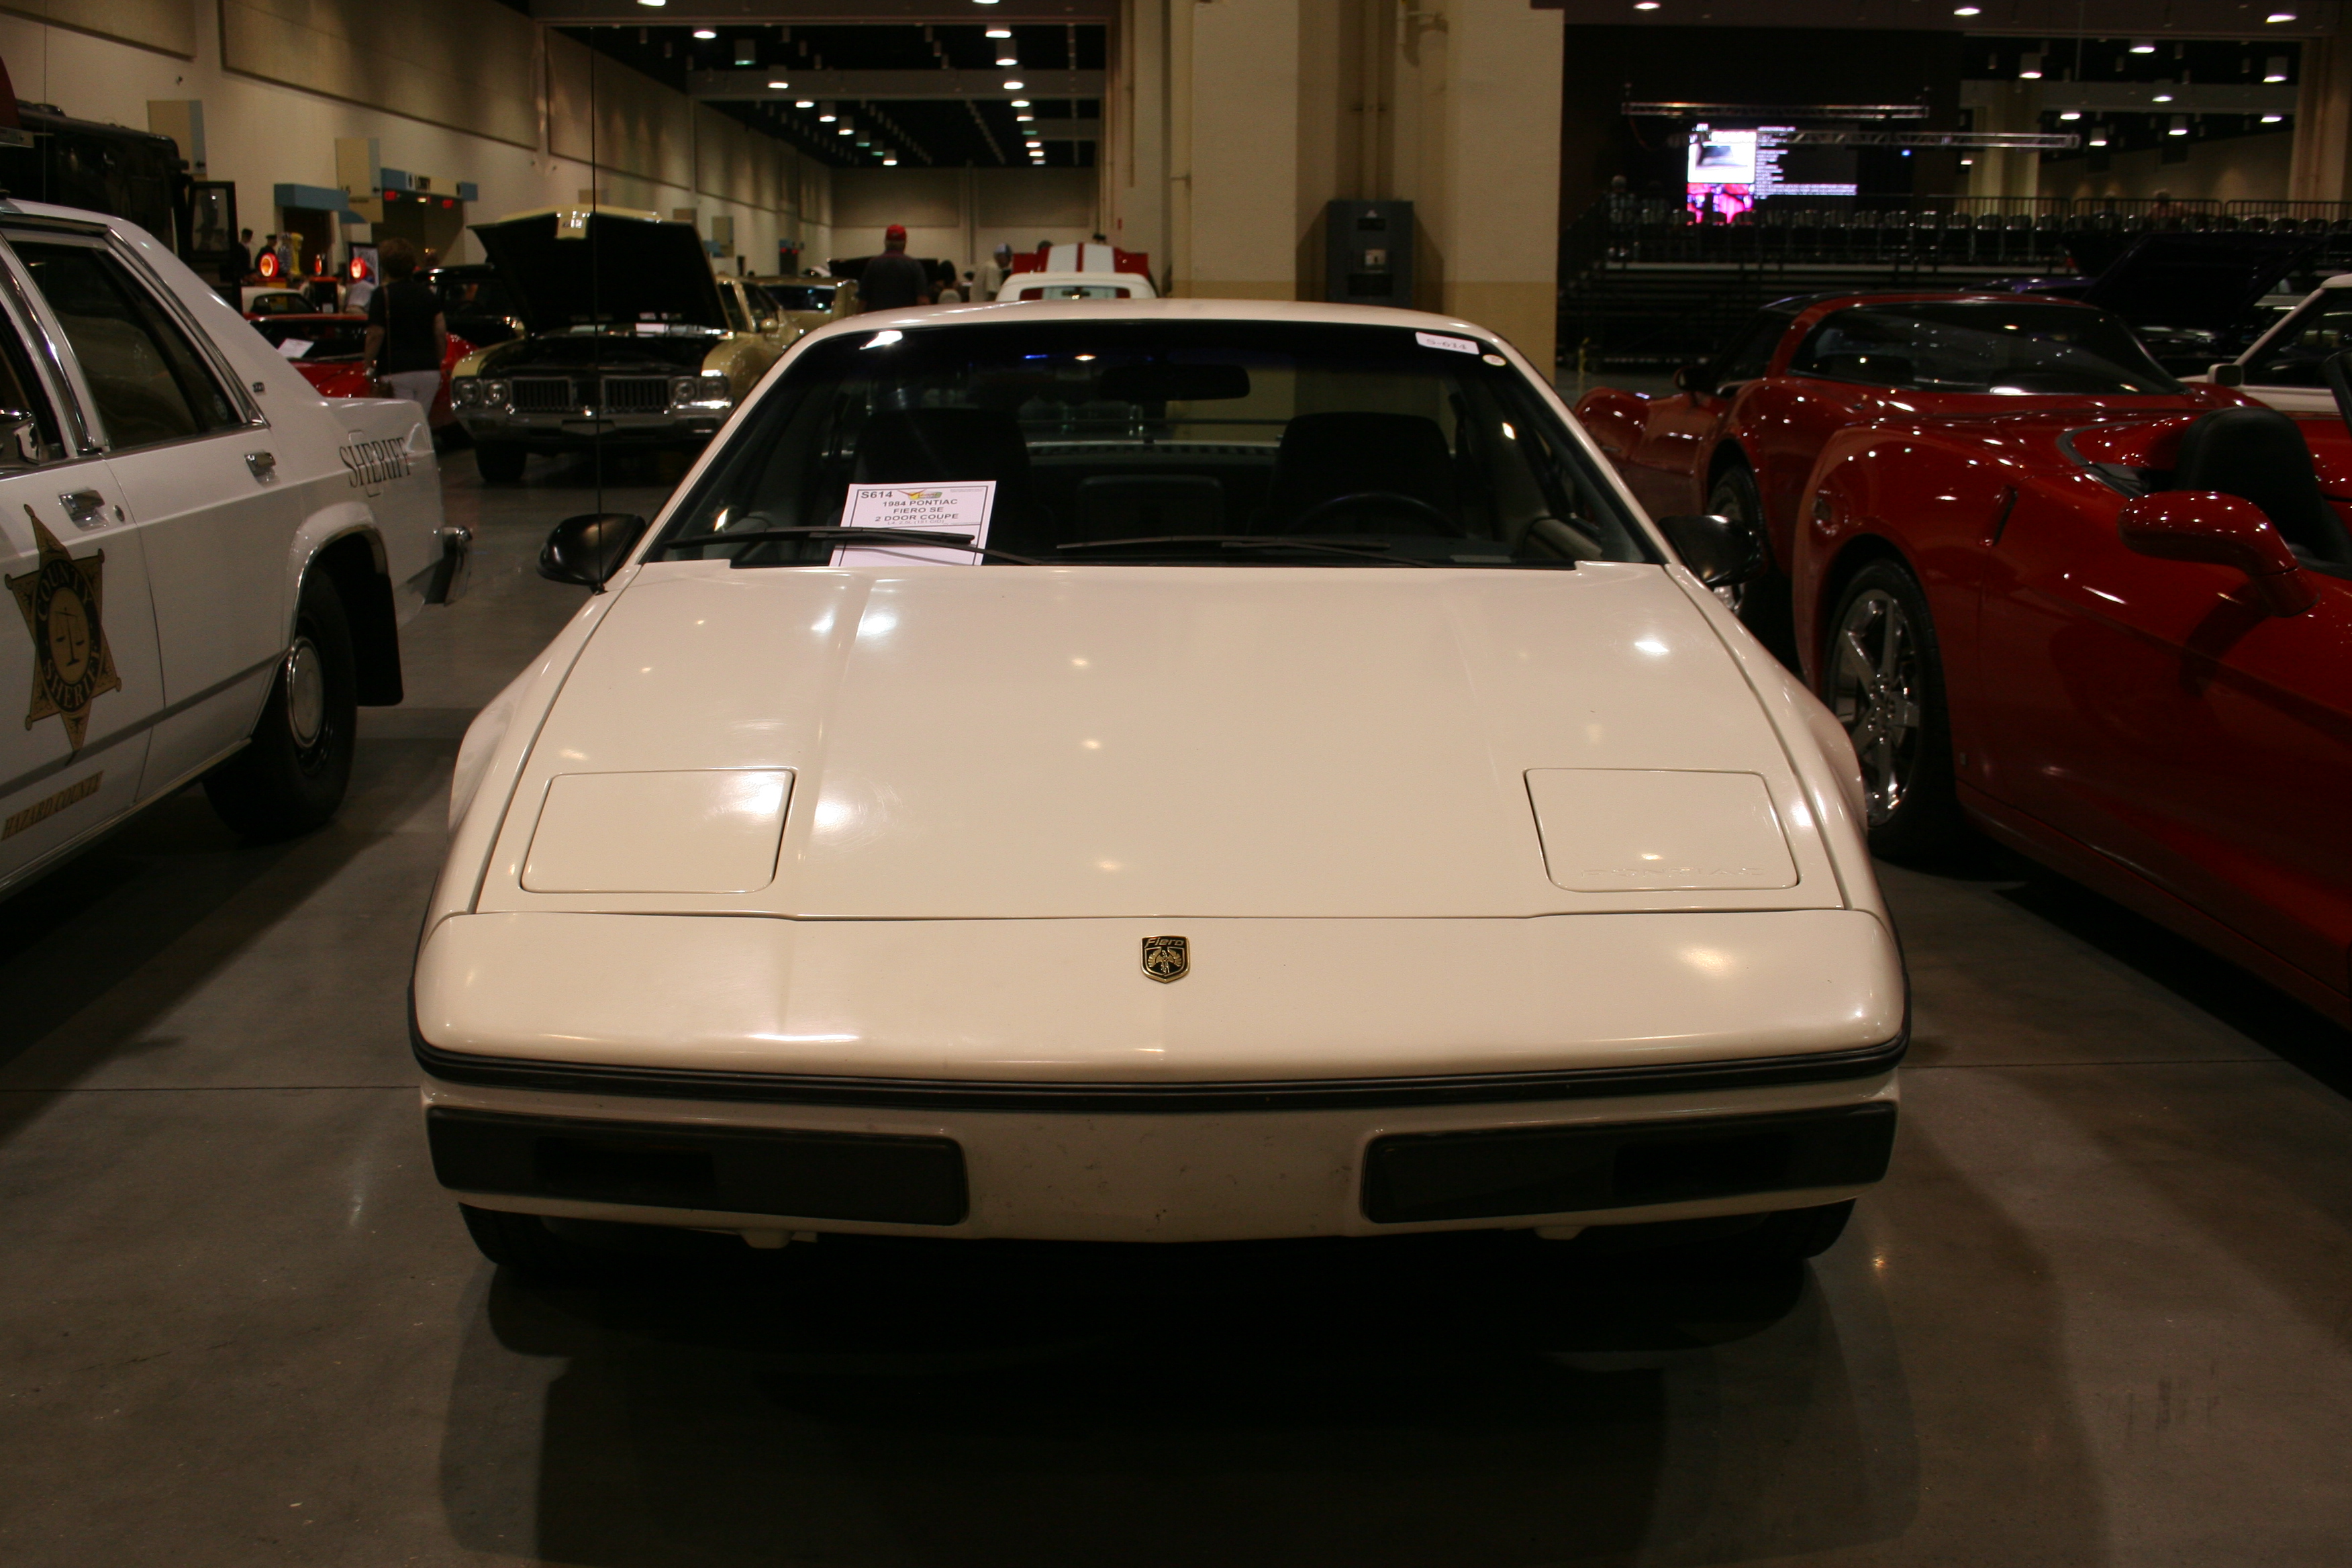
[
  {"x": 306, "y": 692},
  {"x": 1876, "y": 693}
]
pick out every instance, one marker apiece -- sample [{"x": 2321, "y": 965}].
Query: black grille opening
[
  {"x": 1504, "y": 1172},
  {"x": 643, "y": 1173}
]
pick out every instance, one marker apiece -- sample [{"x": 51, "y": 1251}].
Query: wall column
[
  {"x": 2322, "y": 166},
  {"x": 1235, "y": 197}
]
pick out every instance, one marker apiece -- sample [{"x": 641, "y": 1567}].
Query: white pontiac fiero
[{"x": 1156, "y": 771}]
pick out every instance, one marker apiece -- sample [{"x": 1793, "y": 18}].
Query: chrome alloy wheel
[
  {"x": 306, "y": 692},
  {"x": 1876, "y": 690},
  {"x": 1729, "y": 499}
]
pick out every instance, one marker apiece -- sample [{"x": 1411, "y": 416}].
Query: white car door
[
  {"x": 2282, "y": 368},
  {"x": 197, "y": 471},
  {"x": 80, "y": 651}
]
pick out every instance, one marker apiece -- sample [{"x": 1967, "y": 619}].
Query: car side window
[
  {"x": 1750, "y": 353},
  {"x": 28, "y": 426},
  {"x": 148, "y": 381},
  {"x": 2319, "y": 330},
  {"x": 734, "y": 303}
]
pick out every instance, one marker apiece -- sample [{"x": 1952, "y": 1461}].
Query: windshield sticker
[
  {"x": 957, "y": 507},
  {"x": 1437, "y": 340}
]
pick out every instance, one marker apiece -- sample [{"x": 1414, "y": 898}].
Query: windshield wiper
[
  {"x": 844, "y": 536},
  {"x": 1370, "y": 550}
]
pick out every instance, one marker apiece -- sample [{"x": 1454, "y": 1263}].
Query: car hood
[
  {"x": 568, "y": 267},
  {"x": 949, "y": 742}
]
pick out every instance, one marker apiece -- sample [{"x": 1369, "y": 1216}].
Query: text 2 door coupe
[
  {"x": 1155, "y": 771},
  {"x": 2119, "y": 639},
  {"x": 1743, "y": 434}
]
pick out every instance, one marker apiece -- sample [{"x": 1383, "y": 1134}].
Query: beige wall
[
  {"x": 166, "y": 25},
  {"x": 2239, "y": 168},
  {"x": 1236, "y": 121},
  {"x": 962, "y": 214},
  {"x": 278, "y": 120}
]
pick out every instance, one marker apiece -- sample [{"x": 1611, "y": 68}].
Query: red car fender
[{"x": 1614, "y": 418}]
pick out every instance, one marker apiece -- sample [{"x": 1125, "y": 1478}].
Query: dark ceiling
[{"x": 941, "y": 133}]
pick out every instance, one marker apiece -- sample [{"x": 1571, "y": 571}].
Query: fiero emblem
[{"x": 1167, "y": 958}]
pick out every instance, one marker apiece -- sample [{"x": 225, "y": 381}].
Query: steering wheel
[{"x": 1394, "y": 499}]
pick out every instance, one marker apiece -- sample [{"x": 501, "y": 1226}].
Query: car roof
[
  {"x": 1798, "y": 304},
  {"x": 1136, "y": 309}
]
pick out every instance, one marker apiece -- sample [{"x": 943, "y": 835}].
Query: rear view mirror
[
  {"x": 588, "y": 549},
  {"x": 1721, "y": 552},
  {"x": 2227, "y": 374},
  {"x": 1690, "y": 378},
  {"x": 2224, "y": 531},
  {"x": 1174, "y": 383}
]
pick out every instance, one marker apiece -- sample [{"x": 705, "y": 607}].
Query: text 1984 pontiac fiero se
[{"x": 1156, "y": 771}]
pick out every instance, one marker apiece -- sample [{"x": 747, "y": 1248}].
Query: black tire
[
  {"x": 291, "y": 776},
  {"x": 523, "y": 1242},
  {"x": 1882, "y": 673},
  {"x": 500, "y": 462},
  {"x": 1763, "y": 605}
]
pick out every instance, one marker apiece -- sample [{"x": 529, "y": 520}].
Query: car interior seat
[
  {"x": 920, "y": 445},
  {"x": 1325, "y": 456},
  {"x": 2259, "y": 455}
]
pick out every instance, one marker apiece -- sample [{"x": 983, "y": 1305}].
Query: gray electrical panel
[{"x": 1368, "y": 251}]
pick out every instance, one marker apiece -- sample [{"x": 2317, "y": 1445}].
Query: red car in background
[
  {"x": 1742, "y": 435},
  {"x": 330, "y": 351},
  {"x": 2052, "y": 593}
]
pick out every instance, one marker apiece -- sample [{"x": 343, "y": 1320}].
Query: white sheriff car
[
  {"x": 1156, "y": 771},
  {"x": 209, "y": 563}
]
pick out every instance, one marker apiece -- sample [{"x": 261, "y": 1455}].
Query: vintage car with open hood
[
  {"x": 1156, "y": 771},
  {"x": 630, "y": 340}
]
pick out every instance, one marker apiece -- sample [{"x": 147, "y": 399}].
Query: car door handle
[
  {"x": 264, "y": 465},
  {"x": 85, "y": 509}
]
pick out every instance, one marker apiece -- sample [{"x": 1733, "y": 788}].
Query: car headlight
[
  {"x": 466, "y": 391},
  {"x": 707, "y": 391}
]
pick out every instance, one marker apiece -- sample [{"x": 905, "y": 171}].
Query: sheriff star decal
[{"x": 72, "y": 666}]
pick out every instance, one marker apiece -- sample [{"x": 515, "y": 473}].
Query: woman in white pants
[{"x": 408, "y": 336}]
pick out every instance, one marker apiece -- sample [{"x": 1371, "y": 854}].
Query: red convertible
[
  {"x": 2085, "y": 609},
  {"x": 329, "y": 350},
  {"x": 1741, "y": 436}
]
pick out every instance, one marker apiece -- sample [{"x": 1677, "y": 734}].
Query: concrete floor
[{"x": 2100, "y": 1313}]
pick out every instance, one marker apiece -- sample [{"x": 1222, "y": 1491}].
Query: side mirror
[
  {"x": 2229, "y": 372},
  {"x": 2224, "y": 531},
  {"x": 20, "y": 440},
  {"x": 1721, "y": 552},
  {"x": 588, "y": 549},
  {"x": 1691, "y": 378}
]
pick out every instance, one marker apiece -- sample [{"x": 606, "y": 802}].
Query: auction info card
[{"x": 959, "y": 507}]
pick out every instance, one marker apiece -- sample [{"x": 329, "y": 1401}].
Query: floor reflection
[{"x": 1472, "y": 1399}]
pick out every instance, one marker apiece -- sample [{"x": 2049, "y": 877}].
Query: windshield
[
  {"x": 1999, "y": 348},
  {"x": 2292, "y": 358},
  {"x": 1189, "y": 442}
]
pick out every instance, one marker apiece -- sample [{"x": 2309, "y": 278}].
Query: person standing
[
  {"x": 240, "y": 266},
  {"x": 993, "y": 276},
  {"x": 894, "y": 280},
  {"x": 408, "y": 337}
]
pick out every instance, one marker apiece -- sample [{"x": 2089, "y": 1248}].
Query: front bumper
[{"x": 568, "y": 432}]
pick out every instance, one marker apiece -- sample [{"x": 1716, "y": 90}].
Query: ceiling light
[
  {"x": 657, "y": 4},
  {"x": 1000, "y": 32},
  {"x": 2272, "y": 118},
  {"x": 2143, "y": 46},
  {"x": 826, "y": 119},
  {"x": 1645, "y": 4},
  {"x": 706, "y": 34},
  {"x": 804, "y": 103},
  {"x": 889, "y": 162},
  {"x": 1968, "y": 163},
  {"x": 841, "y": 131},
  {"x": 1019, "y": 103},
  {"x": 2029, "y": 67},
  {"x": 2276, "y": 70},
  {"x": 2179, "y": 127},
  {"x": 778, "y": 85},
  {"x": 1024, "y": 115},
  {"x": 2280, "y": 16},
  {"x": 2072, "y": 114},
  {"x": 2163, "y": 97},
  {"x": 1013, "y": 87},
  {"x": 1968, "y": 10}
]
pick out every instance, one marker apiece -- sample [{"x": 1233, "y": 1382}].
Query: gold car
[
  {"x": 811, "y": 301},
  {"x": 632, "y": 340}
]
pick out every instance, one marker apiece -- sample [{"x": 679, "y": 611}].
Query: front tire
[
  {"x": 292, "y": 776},
  {"x": 523, "y": 1242},
  {"x": 1763, "y": 605},
  {"x": 1883, "y": 676},
  {"x": 500, "y": 462}
]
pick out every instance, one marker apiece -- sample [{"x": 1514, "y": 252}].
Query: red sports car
[
  {"x": 329, "y": 350},
  {"x": 2119, "y": 642},
  {"x": 1742, "y": 436}
]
